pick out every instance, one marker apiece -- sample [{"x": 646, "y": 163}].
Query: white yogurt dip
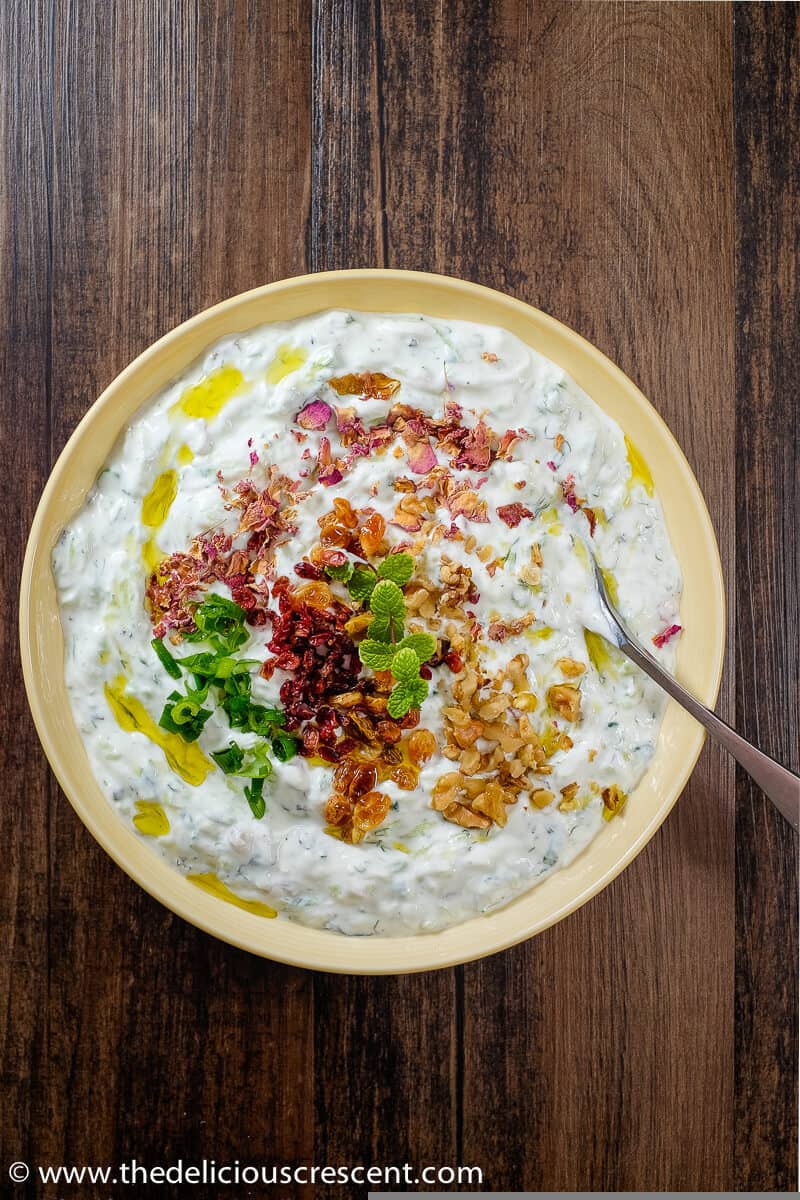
[{"x": 556, "y": 730}]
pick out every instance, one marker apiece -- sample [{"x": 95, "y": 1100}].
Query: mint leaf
[
  {"x": 406, "y": 696},
  {"x": 423, "y": 645},
  {"x": 381, "y": 630},
  {"x": 341, "y": 573},
  {"x": 361, "y": 583},
  {"x": 387, "y": 601},
  {"x": 397, "y": 567},
  {"x": 405, "y": 666},
  {"x": 377, "y": 654}
]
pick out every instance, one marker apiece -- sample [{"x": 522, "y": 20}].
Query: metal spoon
[{"x": 779, "y": 784}]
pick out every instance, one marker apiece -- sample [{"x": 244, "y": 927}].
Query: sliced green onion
[
  {"x": 263, "y": 720},
  {"x": 254, "y": 795},
  {"x": 238, "y": 710},
  {"x": 256, "y": 763},
  {"x": 184, "y": 711},
  {"x": 284, "y": 746},
  {"x": 200, "y": 664},
  {"x": 219, "y": 622},
  {"x": 190, "y": 717},
  {"x": 227, "y": 666},
  {"x": 169, "y": 664},
  {"x": 229, "y": 760}
]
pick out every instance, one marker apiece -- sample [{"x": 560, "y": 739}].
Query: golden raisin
[
  {"x": 315, "y": 595},
  {"x": 344, "y": 513},
  {"x": 370, "y": 810},
  {"x": 371, "y": 533},
  {"x": 335, "y": 535},
  {"x": 354, "y": 779},
  {"x": 410, "y": 720},
  {"x": 421, "y": 746},
  {"x": 337, "y": 809},
  {"x": 384, "y": 681},
  {"x": 389, "y": 732},
  {"x": 406, "y": 778}
]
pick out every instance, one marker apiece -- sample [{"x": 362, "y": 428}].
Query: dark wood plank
[
  {"x": 580, "y": 155},
  {"x": 386, "y": 1049},
  {"x": 25, "y": 167},
  {"x": 767, "y": 45},
  {"x": 170, "y": 127},
  {"x": 347, "y": 193},
  {"x": 386, "y": 1059}
]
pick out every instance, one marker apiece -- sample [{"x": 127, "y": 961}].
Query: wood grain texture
[
  {"x": 164, "y": 134},
  {"x": 24, "y": 370},
  {"x": 569, "y": 167},
  {"x": 584, "y": 156},
  {"x": 388, "y": 1091},
  {"x": 768, "y": 582}
]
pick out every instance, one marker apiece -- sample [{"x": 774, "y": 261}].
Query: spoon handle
[{"x": 779, "y": 784}]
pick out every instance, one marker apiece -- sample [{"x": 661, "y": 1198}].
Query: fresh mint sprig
[
  {"x": 361, "y": 579},
  {"x": 385, "y": 648}
]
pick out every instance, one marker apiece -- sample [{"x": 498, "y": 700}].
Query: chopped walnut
[
  {"x": 568, "y": 802},
  {"x": 570, "y": 667},
  {"x": 500, "y": 630},
  {"x": 461, "y": 815},
  {"x": 565, "y": 698},
  {"x": 613, "y": 801},
  {"x": 408, "y": 513},
  {"x": 466, "y": 735},
  {"x": 530, "y": 574},
  {"x": 540, "y": 797},
  {"x": 492, "y": 803}
]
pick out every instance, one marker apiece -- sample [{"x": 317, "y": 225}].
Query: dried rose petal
[
  {"x": 509, "y": 440},
  {"x": 421, "y": 458},
  {"x": 476, "y": 451},
  {"x": 466, "y": 504},
  {"x": 512, "y": 514},
  {"x": 314, "y": 415},
  {"x": 408, "y": 521},
  {"x": 662, "y": 638},
  {"x": 330, "y": 475},
  {"x": 349, "y": 426}
]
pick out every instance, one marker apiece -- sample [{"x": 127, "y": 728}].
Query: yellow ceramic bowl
[{"x": 699, "y": 659}]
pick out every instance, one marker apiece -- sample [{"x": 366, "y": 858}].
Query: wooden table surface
[{"x": 633, "y": 170}]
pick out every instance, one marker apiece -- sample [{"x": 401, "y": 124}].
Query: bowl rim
[{"x": 328, "y": 950}]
